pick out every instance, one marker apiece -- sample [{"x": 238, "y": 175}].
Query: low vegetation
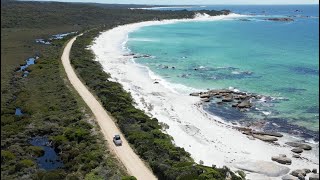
[{"x": 52, "y": 109}]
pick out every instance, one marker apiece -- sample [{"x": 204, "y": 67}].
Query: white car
[{"x": 117, "y": 140}]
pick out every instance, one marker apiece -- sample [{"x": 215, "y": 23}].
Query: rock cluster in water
[
  {"x": 138, "y": 55},
  {"x": 239, "y": 100},
  {"x": 280, "y": 19}
]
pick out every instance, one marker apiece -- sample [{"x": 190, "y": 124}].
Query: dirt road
[{"x": 125, "y": 154}]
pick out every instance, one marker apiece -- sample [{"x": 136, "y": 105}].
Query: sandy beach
[{"x": 206, "y": 137}]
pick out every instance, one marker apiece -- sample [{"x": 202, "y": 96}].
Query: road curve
[{"x": 125, "y": 154}]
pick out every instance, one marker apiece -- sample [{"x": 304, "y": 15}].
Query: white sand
[{"x": 204, "y": 136}]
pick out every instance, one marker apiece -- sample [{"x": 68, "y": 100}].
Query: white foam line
[{"x": 201, "y": 134}]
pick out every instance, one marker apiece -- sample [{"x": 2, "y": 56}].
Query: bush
[
  {"x": 129, "y": 178},
  {"x": 36, "y": 150},
  {"x": 7, "y": 156},
  {"x": 26, "y": 163},
  {"x": 92, "y": 176}
]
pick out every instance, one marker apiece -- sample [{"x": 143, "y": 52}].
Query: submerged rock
[
  {"x": 280, "y": 19},
  {"x": 130, "y": 54},
  {"x": 219, "y": 102},
  {"x": 141, "y": 56},
  {"x": 234, "y": 105},
  {"x": 244, "y": 104},
  {"x": 244, "y": 19},
  {"x": 263, "y": 167}
]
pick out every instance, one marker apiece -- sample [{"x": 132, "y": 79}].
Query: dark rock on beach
[
  {"x": 298, "y": 172},
  {"x": 296, "y": 156},
  {"x": 282, "y": 159},
  {"x": 314, "y": 171},
  {"x": 194, "y": 94},
  {"x": 289, "y": 177},
  {"x": 314, "y": 177},
  {"x": 297, "y": 150},
  {"x": 307, "y": 171},
  {"x": 299, "y": 145},
  {"x": 263, "y": 167},
  {"x": 265, "y": 138},
  {"x": 268, "y": 133}
]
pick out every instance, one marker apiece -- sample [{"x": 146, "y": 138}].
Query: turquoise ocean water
[{"x": 277, "y": 59}]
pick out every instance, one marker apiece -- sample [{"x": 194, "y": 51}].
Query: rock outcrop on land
[
  {"x": 282, "y": 159},
  {"x": 264, "y": 167}
]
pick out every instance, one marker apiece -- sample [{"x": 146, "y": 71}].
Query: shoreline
[{"x": 190, "y": 126}]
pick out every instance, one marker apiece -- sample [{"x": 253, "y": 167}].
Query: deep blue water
[
  {"x": 50, "y": 160},
  {"x": 18, "y": 112},
  {"x": 277, "y": 59}
]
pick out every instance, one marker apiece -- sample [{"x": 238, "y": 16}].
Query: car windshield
[{"x": 117, "y": 137}]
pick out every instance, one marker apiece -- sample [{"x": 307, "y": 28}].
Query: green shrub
[
  {"x": 26, "y": 163},
  {"x": 36, "y": 150},
  {"x": 7, "y": 156},
  {"x": 129, "y": 178},
  {"x": 92, "y": 176}
]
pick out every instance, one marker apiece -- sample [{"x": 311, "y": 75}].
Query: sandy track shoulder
[{"x": 125, "y": 153}]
